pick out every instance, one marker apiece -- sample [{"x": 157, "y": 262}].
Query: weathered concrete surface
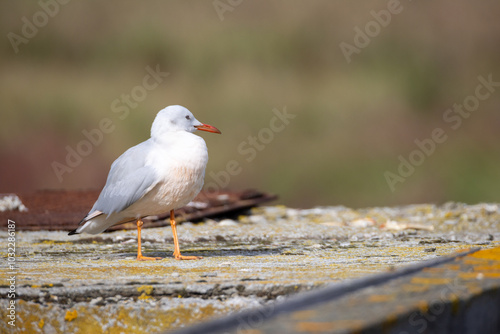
[
  {"x": 84, "y": 283},
  {"x": 455, "y": 294}
]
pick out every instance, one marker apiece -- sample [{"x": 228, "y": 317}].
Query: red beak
[{"x": 208, "y": 128}]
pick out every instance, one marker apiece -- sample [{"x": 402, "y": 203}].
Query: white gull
[{"x": 158, "y": 175}]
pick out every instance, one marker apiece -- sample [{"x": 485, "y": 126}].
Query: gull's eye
[{"x": 188, "y": 117}]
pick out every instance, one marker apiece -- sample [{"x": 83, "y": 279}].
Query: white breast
[{"x": 180, "y": 163}]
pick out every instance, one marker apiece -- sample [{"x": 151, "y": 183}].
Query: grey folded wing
[
  {"x": 118, "y": 196},
  {"x": 129, "y": 180}
]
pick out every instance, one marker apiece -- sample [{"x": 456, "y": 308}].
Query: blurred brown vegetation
[{"x": 353, "y": 120}]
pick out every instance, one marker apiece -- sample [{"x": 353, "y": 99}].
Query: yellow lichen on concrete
[
  {"x": 478, "y": 275},
  {"x": 248, "y": 260},
  {"x": 442, "y": 268},
  {"x": 147, "y": 289},
  {"x": 493, "y": 267},
  {"x": 327, "y": 326},
  {"x": 303, "y": 315},
  {"x": 487, "y": 254},
  {"x": 144, "y": 296},
  {"x": 315, "y": 327},
  {"x": 71, "y": 315},
  {"x": 380, "y": 298},
  {"x": 473, "y": 261},
  {"x": 415, "y": 288},
  {"x": 430, "y": 281},
  {"x": 35, "y": 318}
]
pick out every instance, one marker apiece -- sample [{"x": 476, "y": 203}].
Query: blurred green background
[{"x": 231, "y": 64}]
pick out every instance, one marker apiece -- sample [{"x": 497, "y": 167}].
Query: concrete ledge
[
  {"x": 457, "y": 294},
  {"x": 93, "y": 284}
]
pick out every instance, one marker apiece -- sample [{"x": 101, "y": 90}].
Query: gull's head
[{"x": 177, "y": 118}]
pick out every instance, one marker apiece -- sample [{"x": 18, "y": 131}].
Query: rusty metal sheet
[{"x": 56, "y": 210}]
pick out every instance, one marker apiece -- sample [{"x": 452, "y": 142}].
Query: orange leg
[
  {"x": 139, "y": 250},
  {"x": 177, "y": 250}
]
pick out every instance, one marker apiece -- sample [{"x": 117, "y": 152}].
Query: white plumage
[{"x": 156, "y": 176}]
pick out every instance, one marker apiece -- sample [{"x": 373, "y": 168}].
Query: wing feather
[{"x": 129, "y": 179}]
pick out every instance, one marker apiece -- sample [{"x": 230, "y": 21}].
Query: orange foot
[
  {"x": 145, "y": 258},
  {"x": 178, "y": 256}
]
